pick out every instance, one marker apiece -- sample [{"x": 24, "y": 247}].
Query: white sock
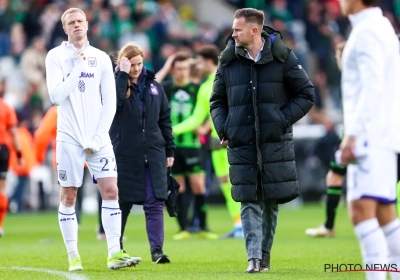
[
  {"x": 392, "y": 234},
  {"x": 373, "y": 246},
  {"x": 238, "y": 224},
  {"x": 111, "y": 219},
  {"x": 69, "y": 229}
]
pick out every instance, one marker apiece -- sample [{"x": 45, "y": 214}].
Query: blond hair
[
  {"x": 70, "y": 11},
  {"x": 129, "y": 50}
]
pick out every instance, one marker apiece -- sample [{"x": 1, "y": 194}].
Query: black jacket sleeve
[
  {"x": 219, "y": 104},
  {"x": 165, "y": 124},
  {"x": 299, "y": 87},
  {"x": 121, "y": 85}
]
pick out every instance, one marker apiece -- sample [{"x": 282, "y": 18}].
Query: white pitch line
[{"x": 68, "y": 275}]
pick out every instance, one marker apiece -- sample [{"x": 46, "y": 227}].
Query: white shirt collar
[
  {"x": 71, "y": 46},
  {"x": 257, "y": 58},
  {"x": 365, "y": 14}
]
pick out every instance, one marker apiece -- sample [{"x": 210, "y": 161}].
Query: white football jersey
[{"x": 84, "y": 91}]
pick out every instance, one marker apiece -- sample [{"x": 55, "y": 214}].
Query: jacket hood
[{"x": 273, "y": 48}]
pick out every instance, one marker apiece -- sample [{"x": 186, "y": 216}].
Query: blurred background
[{"x": 29, "y": 28}]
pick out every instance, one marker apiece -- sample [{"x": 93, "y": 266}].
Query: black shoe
[
  {"x": 254, "y": 266},
  {"x": 265, "y": 261},
  {"x": 159, "y": 257}
]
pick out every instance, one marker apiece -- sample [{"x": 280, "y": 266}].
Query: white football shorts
[
  {"x": 375, "y": 176},
  {"x": 71, "y": 159}
]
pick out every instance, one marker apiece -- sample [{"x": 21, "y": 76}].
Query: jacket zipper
[{"x": 257, "y": 129}]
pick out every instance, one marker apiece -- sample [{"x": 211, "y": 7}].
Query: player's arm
[
  {"x": 45, "y": 133},
  {"x": 164, "y": 71},
  {"x": 121, "y": 83},
  {"x": 108, "y": 98},
  {"x": 300, "y": 89},
  {"x": 165, "y": 124},
  {"x": 200, "y": 113},
  {"x": 205, "y": 128},
  {"x": 59, "y": 89},
  {"x": 370, "y": 61},
  {"x": 219, "y": 104}
]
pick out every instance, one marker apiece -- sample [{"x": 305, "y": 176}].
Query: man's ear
[{"x": 255, "y": 31}]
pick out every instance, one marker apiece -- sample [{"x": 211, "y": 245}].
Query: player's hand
[
  {"x": 125, "y": 65},
  {"x": 89, "y": 151},
  {"x": 168, "y": 63},
  {"x": 79, "y": 54},
  {"x": 225, "y": 143},
  {"x": 347, "y": 150},
  {"x": 201, "y": 130},
  {"x": 170, "y": 161},
  {"x": 338, "y": 55}
]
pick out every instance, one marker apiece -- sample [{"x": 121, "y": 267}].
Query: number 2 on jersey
[{"x": 105, "y": 160}]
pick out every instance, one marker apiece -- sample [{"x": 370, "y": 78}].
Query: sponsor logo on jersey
[
  {"x": 81, "y": 85},
  {"x": 86, "y": 75},
  {"x": 92, "y": 62}
]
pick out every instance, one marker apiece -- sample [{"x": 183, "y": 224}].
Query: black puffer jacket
[
  {"x": 253, "y": 106},
  {"x": 141, "y": 134}
]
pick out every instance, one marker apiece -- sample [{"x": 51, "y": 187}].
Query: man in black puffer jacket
[{"x": 259, "y": 92}]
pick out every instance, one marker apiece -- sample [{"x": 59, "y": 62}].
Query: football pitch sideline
[{"x": 32, "y": 248}]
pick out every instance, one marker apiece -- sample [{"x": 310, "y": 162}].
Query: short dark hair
[
  {"x": 370, "y": 2},
  {"x": 251, "y": 15},
  {"x": 180, "y": 56},
  {"x": 209, "y": 52}
]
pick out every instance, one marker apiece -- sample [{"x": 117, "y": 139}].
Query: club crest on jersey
[
  {"x": 153, "y": 89},
  {"x": 63, "y": 175},
  {"x": 92, "y": 61},
  {"x": 81, "y": 85},
  {"x": 86, "y": 75}
]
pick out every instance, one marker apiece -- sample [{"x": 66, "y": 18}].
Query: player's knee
[
  {"x": 199, "y": 191},
  {"x": 362, "y": 210},
  {"x": 182, "y": 189},
  {"x": 110, "y": 192},
  {"x": 334, "y": 179},
  {"x": 68, "y": 196}
]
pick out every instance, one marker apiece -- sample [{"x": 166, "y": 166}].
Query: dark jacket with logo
[
  {"x": 141, "y": 134},
  {"x": 253, "y": 106}
]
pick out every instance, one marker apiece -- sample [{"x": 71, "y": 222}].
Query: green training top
[
  {"x": 182, "y": 100},
  {"x": 201, "y": 111}
]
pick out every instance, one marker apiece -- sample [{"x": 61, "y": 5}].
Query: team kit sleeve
[
  {"x": 199, "y": 115},
  {"x": 45, "y": 133},
  {"x": 165, "y": 124},
  {"x": 370, "y": 62},
  {"x": 109, "y": 100},
  {"x": 11, "y": 119},
  {"x": 59, "y": 89}
]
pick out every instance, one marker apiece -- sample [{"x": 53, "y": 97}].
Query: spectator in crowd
[{"x": 34, "y": 68}]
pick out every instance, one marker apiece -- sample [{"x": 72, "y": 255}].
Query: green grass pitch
[{"x": 32, "y": 248}]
